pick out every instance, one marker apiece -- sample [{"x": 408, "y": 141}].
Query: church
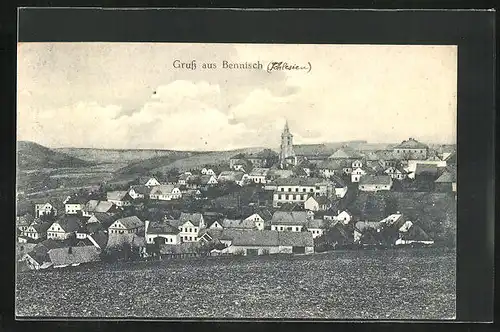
[{"x": 287, "y": 156}]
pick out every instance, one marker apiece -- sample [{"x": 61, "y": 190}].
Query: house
[
  {"x": 89, "y": 228},
  {"x": 208, "y": 180},
  {"x": 297, "y": 190},
  {"x": 73, "y": 256},
  {"x": 207, "y": 171},
  {"x": 251, "y": 242},
  {"x": 37, "y": 231},
  {"x": 139, "y": 191},
  {"x": 340, "y": 187},
  {"x": 356, "y": 174},
  {"x": 357, "y": 163},
  {"x": 341, "y": 216},
  {"x": 241, "y": 178},
  {"x": 375, "y": 183},
  {"x": 258, "y": 175},
  {"x": 316, "y": 227},
  {"x": 414, "y": 235},
  {"x": 261, "y": 218},
  {"x": 105, "y": 219},
  {"x": 330, "y": 167},
  {"x": 215, "y": 225},
  {"x": 75, "y": 204},
  {"x": 94, "y": 206},
  {"x": 410, "y": 149},
  {"x": 190, "y": 225},
  {"x": 37, "y": 259},
  {"x": 99, "y": 239},
  {"x": 161, "y": 232},
  {"x": 396, "y": 172},
  {"x": 149, "y": 181},
  {"x": 119, "y": 198},
  {"x": 293, "y": 221},
  {"x": 64, "y": 227},
  {"x": 52, "y": 207},
  {"x": 318, "y": 203},
  {"x": 165, "y": 192},
  {"x": 232, "y": 176},
  {"x": 183, "y": 178},
  {"x": 238, "y": 224},
  {"x": 126, "y": 225},
  {"x": 24, "y": 222},
  {"x": 274, "y": 174},
  {"x": 447, "y": 181}
]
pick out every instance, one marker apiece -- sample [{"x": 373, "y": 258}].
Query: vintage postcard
[{"x": 224, "y": 181}]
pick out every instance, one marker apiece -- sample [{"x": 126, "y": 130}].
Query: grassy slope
[
  {"x": 116, "y": 155},
  {"x": 35, "y": 156}
]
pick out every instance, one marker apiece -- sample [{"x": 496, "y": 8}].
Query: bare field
[{"x": 378, "y": 284}]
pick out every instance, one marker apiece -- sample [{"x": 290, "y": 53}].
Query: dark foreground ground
[{"x": 371, "y": 284}]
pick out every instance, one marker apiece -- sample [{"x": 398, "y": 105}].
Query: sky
[{"x": 130, "y": 96}]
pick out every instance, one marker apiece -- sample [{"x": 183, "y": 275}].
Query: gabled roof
[
  {"x": 298, "y": 181},
  {"x": 58, "y": 205},
  {"x": 299, "y": 239},
  {"x": 117, "y": 195},
  {"x": 77, "y": 200},
  {"x": 25, "y": 220},
  {"x": 141, "y": 189},
  {"x": 204, "y": 179},
  {"x": 345, "y": 153},
  {"x": 194, "y": 218},
  {"x": 144, "y": 179},
  {"x": 448, "y": 176},
  {"x": 156, "y": 227},
  {"x": 316, "y": 223},
  {"x": 69, "y": 223},
  {"x": 94, "y": 227},
  {"x": 376, "y": 180},
  {"x": 131, "y": 222},
  {"x": 321, "y": 200},
  {"x": 162, "y": 189},
  {"x": 263, "y": 213},
  {"x": 289, "y": 218},
  {"x": 280, "y": 173},
  {"x": 104, "y": 218},
  {"x": 100, "y": 238},
  {"x": 253, "y": 238},
  {"x": 411, "y": 143},
  {"x": 66, "y": 256},
  {"x": 41, "y": 228}
]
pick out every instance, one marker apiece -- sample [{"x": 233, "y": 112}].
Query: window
[
  {"x": 282, "y": 189},
  {"x": 290, "y": 197},
  {"x": 311, "y": 190},
  {"x": 282, "y": 196},
  {"x": 289, "y": 189},
  {"x": 304, "y": 190},
  {"x": 296, "y": 189}
]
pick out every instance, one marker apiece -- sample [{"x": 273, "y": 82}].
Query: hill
[
  {"x": 31, "y": 155},
  {"x": 104, "y": 156}
]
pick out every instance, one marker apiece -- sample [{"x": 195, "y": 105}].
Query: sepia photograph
[{"x": 236, "y": 181}]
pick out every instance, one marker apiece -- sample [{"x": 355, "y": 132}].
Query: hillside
[
  {"x": 35, "y": 156},
  {"x": 100, "y": 156}
]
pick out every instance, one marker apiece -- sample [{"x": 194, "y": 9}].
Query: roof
[
  {"x": 259, "y": 171},
  {"x": 289, "y": 218},
  {"x": 58, "y": 205},
  {"x": 25, "y": 220},
  {"x": 362, "y": 226},
  {"x": 205, "y": 178},
  {"x": 298, "y": 181},
  {"x": 156, "y": 227},
  {"x": 93, "y": 227},
  {"x": 116, "y": 195},
  {"x": 77, "y": 200},
  {"x": 395, "y": 220},
  {"x": 105, "y": 219},
  {"x": 321, "y": 200},
  {"x": 298, "y": 239},
  {"x": 131, "y": 222},
  {"x": 448, "y": 176},
  {"x": 69, "y": 223},
  {"x": 162, "y": 189},
  {"x": 410, "y": 143},
  {"x": 253, "y": 238},
  {"x": 145, "y": 179},
  {"x": 280, "y": 173},
  {"x": 42, "y": 228},
  {"x": 430, "y": 169},
  {"x": 345, "y": 153},
  {"x": 194, "y": 218},
  {"x": 66, "y": 256},
  {"x": 98, "y": 206},
  {"x": 101, "y": 238},
  {"x": 416, "y": 233},
  {"x": 338, "y": 182},
  {"x": 312, "y": 150},
  {"x": 332, "y": 164},
  {"x": 376, "y": 179},
  {"x": 263, "y": 213},
  {"x": 141, "y": 189},
  {"x": 131, "y": 238},
  {"x": 316, "y": 223},
  {"x": 184, "y": 176}
]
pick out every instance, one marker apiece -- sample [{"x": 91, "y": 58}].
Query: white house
[
  {"x": 398, "y": 173},
  {"x": 46, "y": 208},
  {"x": 75, "y": 204},
  {"x": 37, "y": 231},
  {"x": 151, "y": 182},
  {"x": 356, "y": 174},
  {"x": 119, "y": 198},
  {"x": 126, "y": 225},
  {"x": 189, "y": 225},
  {"x": 63, "y": 228},
  {"x": 261, "y": 218},
  {"x": 215, "y": 225},
  {"x": 165, "y": 192},
  {"x": 358, "y": 163},
  {"x": 339, "y": 185},
  {"x": 139, "y": 191},
  {"x": 318, "y": 203},
  {"x": 342, "y": 216},
  {"x": 161, "y": 232},
  {"x": 297, "y": 190},
  {"x": 94, "y": 206},
  {"x": 182, "y": 180},
  {"x": 258, "y": 175}
]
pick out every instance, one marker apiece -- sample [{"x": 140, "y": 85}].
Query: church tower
[{"x": 286, "y": 149}]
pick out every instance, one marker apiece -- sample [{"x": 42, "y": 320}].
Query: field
[{"x": 370, "y": 284}]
